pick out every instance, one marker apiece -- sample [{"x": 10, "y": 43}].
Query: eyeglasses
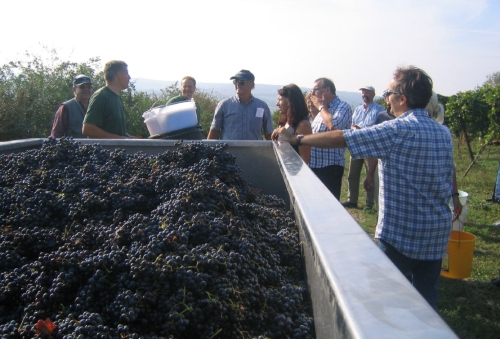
[
  {"x": 85, "y": 86},
  {"x": 388, "y": 92},
  {"x": 317, "y": 89},
  {"x": 239, "y": 82}
]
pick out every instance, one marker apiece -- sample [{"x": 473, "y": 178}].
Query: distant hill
[{"x": 267, "y": 93}]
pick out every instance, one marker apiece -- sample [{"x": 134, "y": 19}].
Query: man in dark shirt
[
  {"x": 70, "y": 114},
  {"x": 105, "y": 117}
]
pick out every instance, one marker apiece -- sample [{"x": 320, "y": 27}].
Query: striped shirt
[
  {"x": 341, "y": 117},
  {"x": 416, "y": 177}
]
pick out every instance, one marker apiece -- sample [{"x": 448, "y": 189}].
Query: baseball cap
[
  {"x": 368, "y": 88},
  {"x": 243, "y": 75},
  {"x": 81, "y": 79}
]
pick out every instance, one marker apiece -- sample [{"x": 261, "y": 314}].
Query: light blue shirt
[
  {"x": 238, "y": 121},
  {"x": 366, "y": 117},
  {"x": 416, "y": 179}
]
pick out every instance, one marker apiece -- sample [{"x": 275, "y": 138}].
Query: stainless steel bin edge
[{"x": 356, "y": 291}]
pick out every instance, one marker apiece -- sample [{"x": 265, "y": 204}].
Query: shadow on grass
[
  {"x": 487, "y": 233},
  {"x": 471, "y": 309}
]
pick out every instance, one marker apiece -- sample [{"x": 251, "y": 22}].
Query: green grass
[{"x": 471, "y": 306}]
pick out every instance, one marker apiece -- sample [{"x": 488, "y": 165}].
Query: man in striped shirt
[{"x": 334, "y": 114}]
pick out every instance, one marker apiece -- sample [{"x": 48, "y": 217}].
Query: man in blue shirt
[
  {"x": 242, "y": 117},
  {"x": 416, "y": 178},
  {"x": 365, "y": 115}
]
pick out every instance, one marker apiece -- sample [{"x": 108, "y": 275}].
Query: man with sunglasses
[
  {"x": 69, "y": 117},
  {"x": 416, "y": 174},
  {"x": 241, "y": 117},
  {"x": 105, "y": 117}
]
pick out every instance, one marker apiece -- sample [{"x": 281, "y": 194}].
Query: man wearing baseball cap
[
  {"x": 365, "y": 115},
  {"x": 241, "y": 117},
  {"x": 70, "y": 114}
]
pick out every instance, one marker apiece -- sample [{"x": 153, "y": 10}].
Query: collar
[
  {"x": 334, "y": 101},
  {"x": 415, "y": 112},
  {"x": 249, "y": 101}
]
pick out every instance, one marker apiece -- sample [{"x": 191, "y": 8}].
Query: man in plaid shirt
[
  {"x": 334, "y": 114},
  {"x": 416, "y": 178}
]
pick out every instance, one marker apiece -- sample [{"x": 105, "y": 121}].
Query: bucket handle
[{"x": 456, "y": 214}]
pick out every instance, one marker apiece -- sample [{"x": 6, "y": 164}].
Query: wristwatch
[
  {"x": 320, "y": 108},
  {"x": 299, "y": 139}
]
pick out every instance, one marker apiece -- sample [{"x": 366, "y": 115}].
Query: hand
[
  {"x": 284, "y": 134},
  {"x": 320, "y": 101},
  {"x": 355, "y": 127},
  {"x": 457, "y": 206},
  {"x": 368, "y": 183}
]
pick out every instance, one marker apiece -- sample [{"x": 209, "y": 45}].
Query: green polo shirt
[{"x": 106, "y": 111}]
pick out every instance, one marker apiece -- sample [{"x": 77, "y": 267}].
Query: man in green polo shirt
[{"x": 105, "y": 118}]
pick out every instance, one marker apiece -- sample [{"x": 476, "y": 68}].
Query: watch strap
[{"x": 299, "y": 139}]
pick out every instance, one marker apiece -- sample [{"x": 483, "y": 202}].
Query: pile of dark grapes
[{"x": 107, "y": 244}]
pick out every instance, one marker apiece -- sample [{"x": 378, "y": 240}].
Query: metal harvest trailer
[{"x": 355, "y": 290}]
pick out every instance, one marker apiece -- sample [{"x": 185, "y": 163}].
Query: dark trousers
[
  {"x": 331, "y": 176},
  {"x": 423, "y": 274}
]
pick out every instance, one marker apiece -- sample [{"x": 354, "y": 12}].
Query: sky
[{"x": 353, "y": 42}]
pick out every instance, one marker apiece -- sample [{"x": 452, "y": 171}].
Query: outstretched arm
[{"x": 332, "y": 139}]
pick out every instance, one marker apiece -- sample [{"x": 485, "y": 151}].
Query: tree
[
  {"x": 208, "y": 102},
  {"x": 493, "y": 79},
  {"x": 381, "y": 102},
  {"x": 31, "y": 90},
  {"x": 492, "y": 98},
  {"x": 468, "y": 111}
]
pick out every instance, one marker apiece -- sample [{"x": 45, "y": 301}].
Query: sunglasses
[
  {"x": 388, "y": 92},
  {"x": 85, "y": 86},
  {"x": 239, "y": 82}
]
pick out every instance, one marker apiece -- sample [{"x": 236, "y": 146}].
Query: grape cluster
[{"x": 107, "y": 244}]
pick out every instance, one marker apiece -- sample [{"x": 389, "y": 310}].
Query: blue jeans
[{"x": 423, "y": 274}]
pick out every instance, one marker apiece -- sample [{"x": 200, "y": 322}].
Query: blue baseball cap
[
  {"x": 243, "y": 75},
  {"x": 81, "y": 79}
]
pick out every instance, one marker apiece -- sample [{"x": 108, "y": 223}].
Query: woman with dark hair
[{"x": 293, "y": 107}]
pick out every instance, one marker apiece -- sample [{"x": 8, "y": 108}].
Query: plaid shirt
[
  {"x": 416, "y": 176},
  {"x": 366, "y": 117},
  {"x": 341, "y": 117}
]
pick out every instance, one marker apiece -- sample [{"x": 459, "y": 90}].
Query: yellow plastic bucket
[{"x": 457, "y": 263}]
